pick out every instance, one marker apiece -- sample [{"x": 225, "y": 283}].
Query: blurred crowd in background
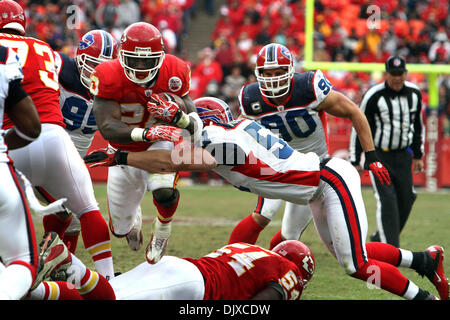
[{"x": 346, "y": 30}]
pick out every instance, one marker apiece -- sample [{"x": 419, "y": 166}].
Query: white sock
[
  {"x": 15, "y": 281},
  {"x": 38, "y": 293},
  {"x": 412, "y": 291},
  {"x": 407, "y": 258}
]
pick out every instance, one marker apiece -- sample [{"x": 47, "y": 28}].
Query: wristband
[
  {"x": 121, "y": 157},
  {"x": 371, "y": 156},
  {"x": 23, "y": 135},
  {"x": 184, "y": 121},
  {"x": 198, "y": 126},
  {"x": 137, "y": 134}
]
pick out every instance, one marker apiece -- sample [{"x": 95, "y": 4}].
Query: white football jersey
[
  {"x": 10, "y": 70},
  {"x": 254, "y": 159}
]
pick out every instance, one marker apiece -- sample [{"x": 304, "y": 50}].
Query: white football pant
[
  {"x": 17, "y": 238},
  {"x": 340, "y": 216},
  {"x": 171, "y": 278},
  {"x": 296, "y": 217},
  {"x": 126, "y": 188},
  {"x": 53, "y": 163}
]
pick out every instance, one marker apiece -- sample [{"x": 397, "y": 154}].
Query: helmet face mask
[
  {"x": 141, "y": 52},
  {"x": 274, "y": 70},
  {"x": 95, "y": 47},
  {"x": 213, "y": 110},
  {"x": 141, "y": 66}
]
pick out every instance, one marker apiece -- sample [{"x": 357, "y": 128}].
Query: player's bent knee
[{"x": 166, "y": 197}]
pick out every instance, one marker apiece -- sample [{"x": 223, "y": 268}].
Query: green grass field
[{"x": 206, "y": 216}]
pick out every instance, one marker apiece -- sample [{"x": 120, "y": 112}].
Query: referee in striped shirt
[{"x": 393, "y": 109}]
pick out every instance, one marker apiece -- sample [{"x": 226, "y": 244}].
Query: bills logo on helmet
[
  {"x": 175, "y": 84},
  {"x": 87, "y": 41},
  {"x": 212, "y": 115},
  {"x": 285, "y": 52}
]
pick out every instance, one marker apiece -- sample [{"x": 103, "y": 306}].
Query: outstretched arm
[
  {"x": 156, "y": 161},
  {"x": 163, "y": 161},
  {"x": 339, "y": 105}
]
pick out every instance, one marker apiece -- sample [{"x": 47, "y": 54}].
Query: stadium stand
[{"x": 418, "y": 30}]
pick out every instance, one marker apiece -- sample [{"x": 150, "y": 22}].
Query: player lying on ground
[
  {"x": 235, "y": 272},
  {"x": 253, "y": 159}
]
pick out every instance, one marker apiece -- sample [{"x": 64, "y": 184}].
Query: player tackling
[{"x": 255, "y": 160}]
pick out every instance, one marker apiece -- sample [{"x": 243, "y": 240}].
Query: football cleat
[
  {"x": 437, "y": 276},
  {"x": 158, "y": 242},
  {"x": 134, "y": 237},
  {"x": 54, "y": 257}
]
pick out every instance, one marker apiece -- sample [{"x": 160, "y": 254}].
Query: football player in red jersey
[
  {"x": 122, "y": 88},
  {"x": 238, "y": 271},
  {"x": 52, "y": 162}
]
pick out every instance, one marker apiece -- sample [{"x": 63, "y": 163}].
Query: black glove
[{"x": 106, "y": 158}]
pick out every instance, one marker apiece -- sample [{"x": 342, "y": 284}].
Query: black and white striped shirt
[{"x": 395, "y": 119}]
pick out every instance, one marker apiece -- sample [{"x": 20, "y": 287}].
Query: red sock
[
  {"x": 165, "y": 214},
  {"x": 95, "y": 234},
  {"x": 60, "y": 290},
  {"x": 276, "y": 240},
  {"x": 383, "y": 252},
  {"x": 54, "y": 223},
  {"x": 94, "y": 286},
  {"x": 246, "y": 231},
  {"x": 383, "y": 274},
  {"x": 71, "y": 241}
]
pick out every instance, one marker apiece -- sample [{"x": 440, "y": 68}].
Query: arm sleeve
[
  {"x": 104, "y": 84},
  {"x": 279, "y": 289},
  {"x": 15, "y": 94},
  {"x": 187, "y": 80}
]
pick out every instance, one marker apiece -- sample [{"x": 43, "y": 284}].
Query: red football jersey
[
  {"x": 40, "y": 77},
  {"x": 108, "y": 81},
  {"x": 238, "y": 271}
]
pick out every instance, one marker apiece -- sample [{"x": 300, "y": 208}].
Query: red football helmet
[
  {"x": 274, "y": 56},
  {"x": 12, "y": 16},
  {"x": 213, "y": 110},
  {"x": 298, "y": 253},
  {"x": 141, "y": 52},
  {"x": 95, "y": 47}
]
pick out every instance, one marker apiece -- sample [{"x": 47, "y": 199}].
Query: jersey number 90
[{"x": 291, "y": 120}]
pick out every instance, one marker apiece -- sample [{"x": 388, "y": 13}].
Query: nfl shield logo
[{"x": 175, "y": 84}]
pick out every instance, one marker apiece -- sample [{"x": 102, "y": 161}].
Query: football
[{"x": 167, "y": 96}]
